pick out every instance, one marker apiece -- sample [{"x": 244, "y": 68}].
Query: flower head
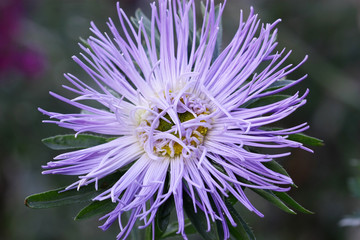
[{"x": 179, "y": 113}]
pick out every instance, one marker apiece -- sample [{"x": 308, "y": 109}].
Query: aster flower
[{"x": 177, "y": 114}]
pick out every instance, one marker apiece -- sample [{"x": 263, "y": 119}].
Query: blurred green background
[{"x": 37, "y": 39}]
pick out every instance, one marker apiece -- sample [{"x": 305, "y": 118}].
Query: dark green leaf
[
  {"x": 191, "y": 33},
  {"x": 174, "y": 227},
  {"x": 61, "y": 142},
  {"x": 85, "y": 43},
  {"x": 276, "y": 167},
  {"x": 239, "y": 232},
  {"x": 218, "y": 43},
  {"x": 95, "y": 208},
  {"x": 259, "y": 102},
  {"x": 148, "y": 234},
  {"x": 219, "y": 225},
  {"x": 147, "y": 25},
  {"x": 140, "y": 15},
  {"x": 189, "y": 227},
  {"x": 232, "y": 199},
  {"x": 163, "y": 217},
  {"x": 299, "y": 137},
  {"x": 268, "y": 195},
  {"x": 199, "y": 221},
  {"x": 305, "y": 139},
  {"x": 279, "y": 84},
  {"x": 56, "y": 198},
  {"x": 217, "y": 49},
  {"x": 242, "y": 230},
  {"x": 291, "y": 202},
  {"x": 202, "y": 8}
]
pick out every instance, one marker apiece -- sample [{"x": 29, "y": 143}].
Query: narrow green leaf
[
  {"x": 232, "y": 199},
  {"x": 291, "y": 202},
  {"x": 219, "y": 225},
  {"x": 163, "y": 217},
  {"x": 202, "y": 8},
  {"x": 61, "y": 142},
  {"x": 276, "y": 167},
  {"x": 95, "y": 208},
  {"x": 268, "y": 195},
  {"x": 238, "y": 232},
  {"x": 174, "y": 227},
  {"x": 85, "y": 43},
  {"x": 217, "y": 49},
  {"x": 299, "y": 137},
  {"x": 140, "y": 15},
  {"x": 191, "y": 33},
  {"x": 305, "y": 139},
  {"x": 279, "y": 84},
  {"x": 259, "y": 102},
  {"x": 242, "y": 230},
  {"x": 148, "y": 233},
  {"x": 198, "y": 219},
  {"x": 189, "y": 228},
  {"x": 56, "y": 198}
]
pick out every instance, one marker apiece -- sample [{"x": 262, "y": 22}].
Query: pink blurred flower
[{"x": 14, "y": 56}]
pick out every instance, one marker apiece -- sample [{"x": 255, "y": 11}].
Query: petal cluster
[{"x": 178, "y": 112}]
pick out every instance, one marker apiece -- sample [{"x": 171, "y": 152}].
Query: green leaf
[
  {"x": 239, "y": 232},
  {"x": 85, "y": 43},
  {"x": 61, "y": 142},
  {"x": 291, "y": 202},
  {"x": 202, "y": 8},
  {"x": 279, "y": 84},
  {"x": 219, "y": 225},
  {"x": 191, "y": 33},
  {"x": 140, "y": 15},
  {"x": 148, "y": 233},
  {"x": 163, "y": 217},
  {"x": 199, "y": 221},
  {"x": 173, "y": 228},
  {"x": 270, "y": 196},
  {"x": 95, "y": 208},
  {"x": 299, "y": 137},
  {"x": 147, "y": 25},
  {"x": 217, "y": 49},
  {"x": 242, "y": 230},
  {"x": 259, "y": 102},
  {"x": 56, "y": 198},
  {"x": 232, "y": 199},
  {"x": 305, "y": 139},
  {"x": 276, "y": 167}
]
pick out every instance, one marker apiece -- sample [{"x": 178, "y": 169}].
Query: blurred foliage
[
  {"x": 353, "y": 219},
  {"x": 327, "y": 30}
]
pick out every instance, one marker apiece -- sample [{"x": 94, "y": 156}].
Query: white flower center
[{"x": 178, "y": 129}]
